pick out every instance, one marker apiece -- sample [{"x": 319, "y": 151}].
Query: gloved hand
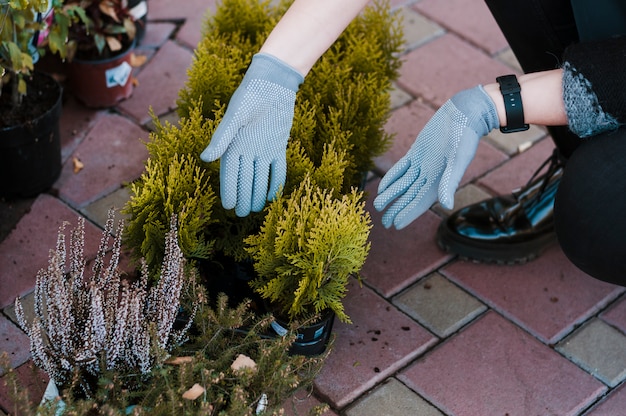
[
  {"x": 252, "y": 137},
  {"x": 435, "y": 163}
]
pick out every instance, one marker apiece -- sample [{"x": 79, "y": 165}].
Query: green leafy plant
[
  {"x": 308, "y": 247},
  {"x": 26, "y": 27},
  {"x": 101, "y": 29}
]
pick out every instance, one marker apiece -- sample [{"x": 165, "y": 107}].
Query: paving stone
[
  {"x": 508, "y": 58},
  {"x": 548, "y": 296},
  {"x": 439, "y": 305},
  {"x": 26, "y": 249},
  {"x": 171, "y": 117},
  {"x": 436, "y": 80},
  {"x": 493, "y": 367},
  {"x": 599, "y": 349},
  {"x": 465, "y": 196},
  {"x": 616, "y": 314},
  {"x": 114, "y": 146},
  {"x": 471, "y": 19},
  {"x": 302, "y": 403},
  {"x": 157, "y": 33},
  {"x": 75, "y": 123},
  {"x": 417, "y": 29},
  {"x": 519, "y": 170},
  {"x": 159, "y": 83},
  {"x": 612, "y": 405},
  {"x": 392, "y": 398},
  {"x": 398, "y": 97},
  {"x": 14, "y": 342},
  {"x": 379, "y": 342},
  {"x": 171, "y": 10},
  {"x": 398, "y": 258},
  {"x": 98, "y": 211},
  {"x": 29, "y": 379},
  {"x": 514, "y": 143}
]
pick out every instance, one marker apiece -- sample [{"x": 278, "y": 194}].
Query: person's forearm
[
  {"x": 308, "y": 29},
  {"x": 542, "y": 98}
]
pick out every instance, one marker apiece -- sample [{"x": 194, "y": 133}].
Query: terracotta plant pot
[
  {"x": 101, "y": 83},
  {"x": 30, "y": 153}
]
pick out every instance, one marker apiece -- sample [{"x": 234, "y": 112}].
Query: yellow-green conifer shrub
[
  {"x": 337, "y": 131},
  {"x": 310, "y": 244}
]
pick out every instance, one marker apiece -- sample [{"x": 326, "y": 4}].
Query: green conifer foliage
[
  {"x": 307, "y": 249},
  {"x": 337, "y": 131}
]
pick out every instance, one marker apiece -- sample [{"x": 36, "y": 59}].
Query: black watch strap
[{"x": 510, "y": 89}]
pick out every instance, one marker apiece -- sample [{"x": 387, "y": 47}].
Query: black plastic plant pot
[
  {"x": 310, "y": 339},
  {"x": 30, "y": 153}
]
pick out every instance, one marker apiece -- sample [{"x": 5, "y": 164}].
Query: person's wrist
[
  {"x": 493, "y": 91},
  {"x": 268, "y": 67}
]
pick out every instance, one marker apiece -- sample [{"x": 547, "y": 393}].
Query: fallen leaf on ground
[
  {"x": 194, "y": 392},
  {"x": 242, "y": 362},
  {"x": 78, "y": 165},
  {"x": 137, "y": 60}
]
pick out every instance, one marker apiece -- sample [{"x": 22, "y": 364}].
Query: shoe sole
[{"x": 493, "y": 253}]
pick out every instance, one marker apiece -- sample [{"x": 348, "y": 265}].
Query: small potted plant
[
  {"x": 90, "y": 324},
  {"x": 30, "y": 101},
  {"x": 309, "y": 246},
  {"x": 111, "y": 343},
  {"x": 101, "y": 41}
]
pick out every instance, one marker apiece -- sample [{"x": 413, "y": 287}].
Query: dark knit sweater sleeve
[{"x": 594, "y": 85}]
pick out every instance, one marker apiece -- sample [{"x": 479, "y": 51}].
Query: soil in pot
[{"x": 30, "y": 139}]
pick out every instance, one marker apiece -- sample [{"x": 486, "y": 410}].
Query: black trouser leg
[
  {"x": 538, "y": 31},
  {"x": 590, "y": 205}
]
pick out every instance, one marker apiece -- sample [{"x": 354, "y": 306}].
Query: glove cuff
[{"x": 269, "y": 68}]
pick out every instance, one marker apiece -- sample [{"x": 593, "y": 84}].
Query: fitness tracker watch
[{"x": 510, "y": 89}]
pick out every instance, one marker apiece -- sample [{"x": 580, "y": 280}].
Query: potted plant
[
  {"x": 30, "y": 101},
  {"x": 111, "y": 344},
  {"x": 309, "y": 246},
  {"x": 338, "y": 129},
  {"x": 101, "y": 41},
  {"x": 86, "y": 324}
]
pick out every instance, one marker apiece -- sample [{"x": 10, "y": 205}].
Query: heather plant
[
  {"x": 85, "y": 325},
  {"x": 225, "y": 368}
]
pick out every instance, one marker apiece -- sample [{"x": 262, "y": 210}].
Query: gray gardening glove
[
  {"x": 252, "y": 137},
  {"x": 435, "y": 163}
]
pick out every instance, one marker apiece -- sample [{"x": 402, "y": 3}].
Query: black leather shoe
[{"x": 506, "y": 229}]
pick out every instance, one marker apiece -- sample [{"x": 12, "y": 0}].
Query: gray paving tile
[
  {"x": 515, "y": 143},
  {"x": 439, "y": 305},
  {"x": 599, "y": 349},
  {"x": 392, "y": 398},
  {"x": 98, "y": 211},
  {"x": 465, "y": 196}
]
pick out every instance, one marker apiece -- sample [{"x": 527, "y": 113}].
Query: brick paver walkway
[{"x": 432, "y": 335}]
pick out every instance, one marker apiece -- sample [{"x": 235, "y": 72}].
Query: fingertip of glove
[
  {"x": 208, "y": 156},
  {"x": 379, "y": 203}
]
